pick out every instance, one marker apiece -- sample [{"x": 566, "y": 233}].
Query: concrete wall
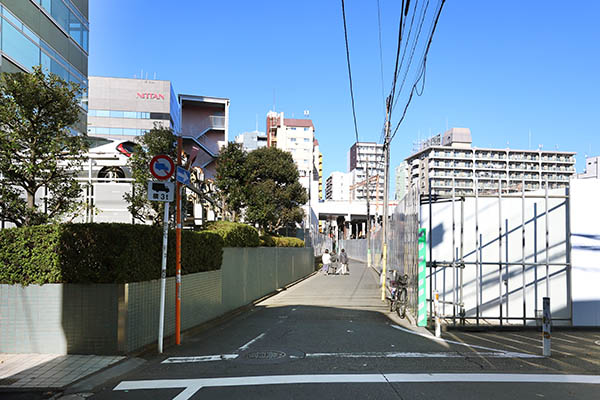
[{"x": 120, "y": 318}]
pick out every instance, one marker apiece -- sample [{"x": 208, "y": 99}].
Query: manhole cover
[
  {"x": 265, "y": 355},
  {"x": 269, "y": 356}
]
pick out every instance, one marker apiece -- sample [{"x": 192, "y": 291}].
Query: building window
[
  {"x": 70, "y": 20},
  {"x": 28, "y": 50},
  {"x": 17, "y": 46}
]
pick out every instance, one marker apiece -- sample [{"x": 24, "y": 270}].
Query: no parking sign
[{"x": 162, "y": 167}]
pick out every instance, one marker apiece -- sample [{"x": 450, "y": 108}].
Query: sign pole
[
  {"x": 178, "y": 249},
  {"x": 163, "y": 279},
  {"x": 422, "y": 279}
]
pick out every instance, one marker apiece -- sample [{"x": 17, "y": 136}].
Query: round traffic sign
[{"x": 162, "y": 167}]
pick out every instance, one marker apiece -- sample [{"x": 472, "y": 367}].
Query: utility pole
[
  {"x": 178, "y": 248},
  {"x": 386, "y": 189},
  {"x": 368, "y": 215}
]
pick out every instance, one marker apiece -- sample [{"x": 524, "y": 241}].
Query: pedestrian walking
[
  {"x": 326, "y": 258},
  {"x": 344, "y": 262}
]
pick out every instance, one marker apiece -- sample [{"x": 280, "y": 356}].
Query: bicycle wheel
[{"x": 402, "y": 303}]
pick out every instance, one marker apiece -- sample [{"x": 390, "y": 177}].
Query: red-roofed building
[{"x": 297, "y": 136}]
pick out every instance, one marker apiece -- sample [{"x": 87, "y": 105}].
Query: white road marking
[
  {"x": 226, "y": 357},
  {"x": 472, "y": 346},
  {"x": 196, "y": 359},
  {"x": 191, "y": 386},
  {"x": 415, "y": 355},
  {"x": 245, "y": 347}
]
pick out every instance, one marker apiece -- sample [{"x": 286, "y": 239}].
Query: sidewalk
[
  {"x": 49, "y": 371},
  {"x": 358, "y": 290}
]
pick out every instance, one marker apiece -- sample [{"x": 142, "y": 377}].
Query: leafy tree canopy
[
  {"x": 231, "y": 177},
  {"x": 264, "y": 183},
  {"x": 37, "y": 147},
  {"x": 157, "y": 141}
]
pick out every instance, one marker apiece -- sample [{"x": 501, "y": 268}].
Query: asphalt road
[{"x": 331, "y": 337}]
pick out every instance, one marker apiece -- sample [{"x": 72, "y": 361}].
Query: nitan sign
[{"x": 150, "y": 96}]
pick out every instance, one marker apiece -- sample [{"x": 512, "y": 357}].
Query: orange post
[{"x": 178, "y": 250}]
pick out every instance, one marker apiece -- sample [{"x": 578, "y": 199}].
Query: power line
[
  {"x": 349, "y": 71},
  {"x": 414, "y": 46},
  {"x": 399, "y": 67},
  {"x": 400, "y": 29},
  {"x": 380, "y": 54},
  {"x": 421, "y": 74}
]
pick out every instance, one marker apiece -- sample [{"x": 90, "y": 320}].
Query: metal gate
[{"x": 492, "y": 256}]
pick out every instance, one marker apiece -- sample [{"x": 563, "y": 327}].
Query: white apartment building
[
  {"x": 455, "y": 164},
  {"x": 296, "y": 136},
  {"x": 363, "y": 155},
  {"x": 337, "y": 186}
]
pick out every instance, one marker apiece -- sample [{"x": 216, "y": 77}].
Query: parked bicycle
[{"x": 399, "y": 295}]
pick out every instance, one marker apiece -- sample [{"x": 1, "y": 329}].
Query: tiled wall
[{"x": 112, "y": 319}]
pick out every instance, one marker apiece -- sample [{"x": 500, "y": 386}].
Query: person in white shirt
[{"x": 326, "y": 261}]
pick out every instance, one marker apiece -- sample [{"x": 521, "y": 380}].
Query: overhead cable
[{"x": 349, "y": 71}]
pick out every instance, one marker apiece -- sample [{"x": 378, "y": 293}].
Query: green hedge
[
  {"x": 280, "y": 241},
  {"x": 100, "y": 253},
  {"x": 234, "y": 234},
  {"x": 267, "y": 241}
]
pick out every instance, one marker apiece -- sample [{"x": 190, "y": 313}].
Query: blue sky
[{"x": 501, "y": 68}]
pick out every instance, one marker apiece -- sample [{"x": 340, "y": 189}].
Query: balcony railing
[{"x": 215, "y": 122}]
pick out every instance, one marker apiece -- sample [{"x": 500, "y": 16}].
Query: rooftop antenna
[{"x": 306, "y": 113}]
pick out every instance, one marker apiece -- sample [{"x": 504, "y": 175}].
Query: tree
[
  {"x": 232, "y": 177},
  {"x": 158, "y": 140},
  {"x": 265, "y": 184},
  {"x": 37, "y": 147}
]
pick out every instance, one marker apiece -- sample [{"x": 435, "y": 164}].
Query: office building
[
  {"x": 252, "y": 140},
  {"x": 448, "y": 162},
  {"x": 50, "y": 33},
  {"x": 205, "y": 130},
  {"x": 123, "y": 108},
  {"x": 363, "y": 156}
]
